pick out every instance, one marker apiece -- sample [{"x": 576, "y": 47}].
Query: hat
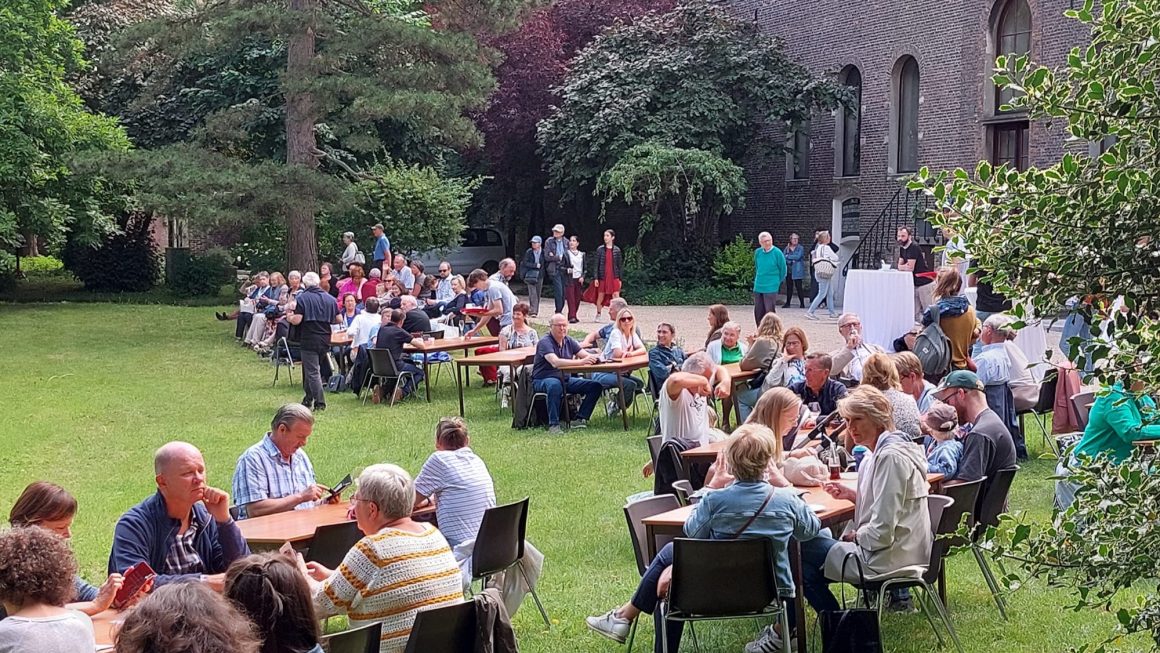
[
  {"x": 965, "y": 379},
  {"x": 379, "y": 226},
  {"x": 559, "y": 228},
  {"x": 537, "y": 239},
  {"x": 375, "y": 272}
]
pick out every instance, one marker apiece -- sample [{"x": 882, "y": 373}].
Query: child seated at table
[{"x": 944, "y": 451}]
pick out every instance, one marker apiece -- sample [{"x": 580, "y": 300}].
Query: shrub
[
  {"x": 678, "y": 295},
  {"x": 42, "y": 266},
  {"x": 126, "y": 262},
  {"x": 7, "y": 270},
  {"x": 202, "y": 274},
  {"x": 733, "y": 266}
]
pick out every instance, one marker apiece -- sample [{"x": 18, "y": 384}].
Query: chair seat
[{"x": 913, "y": 572}]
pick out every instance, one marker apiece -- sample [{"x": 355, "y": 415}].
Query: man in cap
[
  {"x": 558, "y": 266},
  {"x": 532, "y": 272},
  {"x": 382, "y": 247},
  {"x": 987, "y": 446}
]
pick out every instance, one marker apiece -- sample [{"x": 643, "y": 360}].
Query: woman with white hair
[
  {"x": 825, "y": 262},
  {"x": 351, "y": 253},
  {"x": 400, "y": 567},
  {"x": 769, "y": 271}
]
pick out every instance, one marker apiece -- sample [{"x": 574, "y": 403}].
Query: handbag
[
  {"x": 824, "y": 269},
  {"x": 851, "y": 630}
]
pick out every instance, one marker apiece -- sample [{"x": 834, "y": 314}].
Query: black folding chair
[
  {"x": 499, "y": 546},
  {"x": 966, "y": 497},
  {"x": 654, "y": 448},
  {"x": 684, "y": 490},
  {"x": 385, "y": 368},
  {"x": 1042, "y": 408},
  {"x": 635, "y": 514},
  {"x": 992, "y": 503},
  {"x": 1082, "y": 402},
  {"x": 332, "y": 542},
  {"x": 722, "y": 579},
  {"x": 358, "y": 640},
  {"x": 448, "y": 629}
]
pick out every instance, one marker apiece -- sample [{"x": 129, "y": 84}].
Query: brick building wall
[{"x": 953, "y": 44}]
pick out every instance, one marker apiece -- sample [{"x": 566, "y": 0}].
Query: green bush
[
  {"x": 733, "y": 266},
  {"x": 678, "y": 295},
  {"x": 202, "y": 274},
  {"x": 126, "y": 262},
  {"x": 7, "y": 270},
  {"x": 42, "y": 266}
]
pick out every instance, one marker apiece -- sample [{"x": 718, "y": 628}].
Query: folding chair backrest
[
  {"x": 718, "y": 578},
  {"x": 635, "y": 513},
  {"x": 654, "y": 448},
  {"x": 966, "y": 497},
  {"x": 357, "y": 640},
  {"x": 684, "y": 490},
  {"x": 939, "y": 507},
  {"x": 450, "y": 628},
  {"x": 382, "y": 363},
  {"x": 1046, "y": 402},
  {"x": 500, "y": 542},
  {"x": 332, "y": 542},
  {"x": 994, "y": 499},
  {"x": 435, "y": 335},
  {"x": 1082, "y": 404}
]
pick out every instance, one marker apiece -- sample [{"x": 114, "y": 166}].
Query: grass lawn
[{"x": 87, "y": 407}]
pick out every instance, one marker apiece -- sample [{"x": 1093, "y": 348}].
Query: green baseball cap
[{"x": 964, "y": 379}]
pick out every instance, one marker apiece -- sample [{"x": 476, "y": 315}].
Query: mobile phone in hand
[
  {"x": 338, "y": 489},
  {"x": 135, "y": 578}
]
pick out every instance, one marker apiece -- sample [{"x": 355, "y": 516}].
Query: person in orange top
[{"x": 956, "y": 317}]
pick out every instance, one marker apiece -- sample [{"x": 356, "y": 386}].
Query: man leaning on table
[
  {"x": 275, "y": 475},
  {"x": 184, "y": 531}
]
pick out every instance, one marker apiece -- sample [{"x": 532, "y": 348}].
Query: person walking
[
  {"x": 382, "y": 251},
  {"x": 825, "y": 262},
  {"x": 608, "y": 269},
  {"x": 769, "y": 272},
  {"x": 532, "y": 272},
  {"x": 795, "y": 258},
  {"x": 314, "y": 312},
  {"x": 559, "y": 269},
  {"x": 350, "y": 254},
  {"x": 575, "y": 280}
]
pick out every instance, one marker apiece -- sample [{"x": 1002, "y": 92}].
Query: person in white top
[
  {"x": 825, "y": 261},
  {"x": 1022, "y": 383},
  {"x": 684, "y": 399},
  {"x": 623, "y": 342},
  {"x": 457, "y": 481},
  {"x": 36, "y": 581},
  {"x": 574, "y": 285},
  {"x": 364, "y": 327},
  {"x": 351, "y": 253}
]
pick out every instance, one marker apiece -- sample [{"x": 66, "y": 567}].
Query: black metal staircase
[{"x": 879, "y": 241}]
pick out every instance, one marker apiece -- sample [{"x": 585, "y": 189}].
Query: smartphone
[
  {"x": 338, "y": 489},
  {"x": 287, "y": 549},
  {"x": 135, "y": 578}
]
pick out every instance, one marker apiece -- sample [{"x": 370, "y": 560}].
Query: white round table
[{"x": 884, "y": 299}]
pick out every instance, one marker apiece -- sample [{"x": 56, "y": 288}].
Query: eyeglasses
[{"x": 626, "y": 319}]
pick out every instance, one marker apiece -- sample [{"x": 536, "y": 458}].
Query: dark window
[
  {"x": 800, "y": 156},
  {"x": 908, "y": 116},
  {"x": 852, "y": 127},
  {"x": 851, "y": 213},
  {"x": 493, "y": 237},
  {"x": 1012, "y": 38},
  {"x": 1010, "y": 144}
]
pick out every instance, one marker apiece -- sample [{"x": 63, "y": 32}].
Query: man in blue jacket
[{"x": 184, "y": 532}]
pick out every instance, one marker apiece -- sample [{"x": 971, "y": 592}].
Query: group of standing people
[
  {"x": 791, "y": 266},
  {"x": 560, "y": 261}
]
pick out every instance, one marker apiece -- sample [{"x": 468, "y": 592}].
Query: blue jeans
[
  {"x": 746, "y": 400},
  {"x": 815, "y": 585},
  {"x": 645, "y": 599},
  {"x": 826, "y": 294},
  {"x": 632, "y": 385},
  {"x": 558, "y": 282},
  {"x": 554, "y": 388}
]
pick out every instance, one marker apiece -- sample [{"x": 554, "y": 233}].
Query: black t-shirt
[
  {"x": 416, "y": 321},
  {"x": 318, "y": 310},
  {"x": 913, "y": 252},
  {"x": 393, "y": 337},
  {"x": 988, "y": 300}
]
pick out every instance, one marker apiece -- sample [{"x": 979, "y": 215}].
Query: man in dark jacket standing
[
  {"x": 314, "y": 312},
  {"x": 559, "y": 266},
  {"x": 184, "y": 532}
]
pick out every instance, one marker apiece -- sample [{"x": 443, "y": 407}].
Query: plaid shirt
[
  {"x": 182, "y": 557},
  {"x": 262, "y": 473}
]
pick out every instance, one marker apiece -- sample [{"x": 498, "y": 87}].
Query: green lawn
[{"x": 91, "y": 390}]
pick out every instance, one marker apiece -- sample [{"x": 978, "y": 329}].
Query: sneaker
[
  {"x": 768, "y": 641},
  {"x": 609, "y": 625},
  {"x": 555, "y": 430},
  {"x": 611, "y": 407},
  {"x": 579, "y": 423},
  {"x": 503, "y": 402},
  {"x": 811, "y": 316},
  {"x": 902, "y": 605}
]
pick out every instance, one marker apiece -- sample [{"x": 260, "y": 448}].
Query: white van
[{"x": 482, "y": 247}]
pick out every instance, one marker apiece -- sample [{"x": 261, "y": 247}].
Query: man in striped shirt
[
  {"x": 457, "y": 480},
  {"x": 275, "y": 475}
]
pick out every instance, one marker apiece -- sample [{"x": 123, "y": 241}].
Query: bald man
[{"x": 184, "y": 531}]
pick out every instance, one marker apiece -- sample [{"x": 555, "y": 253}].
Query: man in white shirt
[
  {"x": 684, "y": 399},
  {"x": 457, "y": 481},
  {"x": 403, "y": 274},
  {"x": 364, "y": 326},
  {"x": 848, "y": 360},
  {"x": 993, "y": 365}
]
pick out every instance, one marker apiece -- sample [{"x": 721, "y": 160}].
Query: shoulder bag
[{"x": 851, "y": 630}]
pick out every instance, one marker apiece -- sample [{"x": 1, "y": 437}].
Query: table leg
[
  {"x": 427, "y": 377},
  {"x": 736, "y": 404},
  {"x": 650, "y": 540},
  {"x": 512, "y": 385},
  {"x": 459, "y": 385},
  {"x": 620, "y": 400},
  {"x": 795, "y": 561}
]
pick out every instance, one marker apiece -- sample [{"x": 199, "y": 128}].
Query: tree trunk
[{"x": 301, "y": 116}]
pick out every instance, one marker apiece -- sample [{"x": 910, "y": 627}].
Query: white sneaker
[
  {"x": 768, "y": 641},
  {"x": 811, "y": 316},
  {"x": 579, "y": 423},
  {"x": 555, "y": 430},
  {"x": 609, "y": 625}
]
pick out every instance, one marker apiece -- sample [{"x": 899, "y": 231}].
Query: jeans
[
  {"x": 815, "y": 585},
  {"x": 826, "y": 294},
  {"x": 559, "y": 282},
  {"x": 409, "y": 386},
  {"x": 554, "y": 388},
  {"x": 763, "y": 302},
  {"x": 632, "y": 385},
  {"x": 312, "y": 377},
  {"x": 746, "y": 399},
  {"x": 645, "y": 599}
]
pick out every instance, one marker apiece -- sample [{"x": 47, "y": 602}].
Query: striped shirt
[
  {"x": 462, "y": 488},
  {"x": 262, "y": 473},
  {"x": 182, "y": 557},
  {"x": 388, "y": 577}
]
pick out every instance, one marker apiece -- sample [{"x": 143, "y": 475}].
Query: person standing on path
[
  {"x": 575, "y": 276},
  {"x": 382, "y": 252},
  {"x": 795, "y": 258},
  {"x": 608, "y": 269},
  {"x": 825, "y": 262},
  {"x": 314, "y": 312},
  {"x": 769, "y": 264},
  {"x": 559, "y": 269},
  {"x": 532, "y": 272}
]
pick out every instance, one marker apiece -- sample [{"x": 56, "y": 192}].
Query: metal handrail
[{"x": 905, "y": 208}]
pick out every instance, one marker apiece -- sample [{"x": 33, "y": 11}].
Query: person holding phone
[{"x": 275, "y": 475}]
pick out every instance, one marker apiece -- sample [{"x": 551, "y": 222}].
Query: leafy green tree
[
  {"x": 1086, "y": 229},
  {"x": 43, "y": 125}
]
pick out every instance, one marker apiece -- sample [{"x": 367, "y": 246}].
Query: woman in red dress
[{"x": 608, "y": 267}]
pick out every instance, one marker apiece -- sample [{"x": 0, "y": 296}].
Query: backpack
[
  {"x": 933, "y": 348},
  {"x": 336, "y": 383},
  {"x": 525, "y": 416}
]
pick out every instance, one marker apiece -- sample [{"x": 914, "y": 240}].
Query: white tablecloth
[
  {"x": 884, "y": 299},
  {"x": 1032, "y": 340}
]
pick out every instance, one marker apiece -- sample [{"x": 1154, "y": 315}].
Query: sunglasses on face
[{"x": 626, "y": 319}]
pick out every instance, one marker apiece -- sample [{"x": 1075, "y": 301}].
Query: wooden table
[
  {"x": 512, "y": 358},
  {"x": 832, "y": 512},
  {"x": 294, "y": 526},
  {"x": 738, "y": 376},
  {"x": 425, "y": 347},
  {"x": 619, "y": 368},
  {"x": 340, "y": 339}
]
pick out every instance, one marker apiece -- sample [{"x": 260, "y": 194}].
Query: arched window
[
  {"x": 849, "y": 127},
  {"x": 1012, "y": 38},
  {"x": 906, "y": 115}
]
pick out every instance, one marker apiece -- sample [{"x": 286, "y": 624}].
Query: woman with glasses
[{"x": 623, "y": 342}]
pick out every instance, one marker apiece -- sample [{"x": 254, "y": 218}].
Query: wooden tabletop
[
  {"x": 621, "y": 365},
  {"x": 291, "y": 526},
  {"x": 516, "y": 356},
  {"x": 339, "y": 338},
  {"x": 738, "y": 374},
  {"x": 710, "y": 451},
  {"x": 449, "y": 344}
]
